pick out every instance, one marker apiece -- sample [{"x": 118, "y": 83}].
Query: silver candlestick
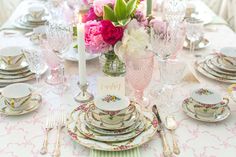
[{"x": 84, "y": 96}]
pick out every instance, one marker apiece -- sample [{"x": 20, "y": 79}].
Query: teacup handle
[
  {"x": 226, "y": 101},
  {"x": 36, "y": 97}
]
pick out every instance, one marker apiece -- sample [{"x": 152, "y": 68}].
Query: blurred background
[{"x": 223, "y": 8}]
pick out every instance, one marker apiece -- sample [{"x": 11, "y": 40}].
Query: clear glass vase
[{"x": 111, "y": 64}]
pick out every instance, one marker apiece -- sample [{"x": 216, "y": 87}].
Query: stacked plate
[
  {"x": 13, "y": 67},
  {"x": 117, "y": 130},
  {"x": 25, "y": 22},
  {"x": 217, "y": 67}
]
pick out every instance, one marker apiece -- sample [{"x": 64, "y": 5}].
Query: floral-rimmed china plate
[
  {"x": 145, "y": 136},
  {"x": 232, "y": 91},
  {"x": 188, "y": 108},
  {"x": 115, "y": 132},
  {"x": 90, "y": 119},
  {"x": 81, "y": 125},
  {"x": 202, "y": 67},
  {"x": 33, "y": 105}
]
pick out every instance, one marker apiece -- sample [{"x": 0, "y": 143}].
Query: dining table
[{"x": 22, "y": 136}]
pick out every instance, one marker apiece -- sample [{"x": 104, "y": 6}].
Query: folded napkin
[{"x": 127, "y": 153}]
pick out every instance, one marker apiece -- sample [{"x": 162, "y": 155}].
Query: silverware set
[
  {"x": 57, "y": 122},
  {"x": 171, "y": 125}
]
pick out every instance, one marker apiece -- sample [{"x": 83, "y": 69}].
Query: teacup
[
  {"x": 36, "y": 12},
  {"x": 17, "y": 96},
  {"x": 208, "y": 103},
  {"x": 11, "y": 56},
  {"x": 112, "y": 110},
  {"x": 229, "y": 55}
]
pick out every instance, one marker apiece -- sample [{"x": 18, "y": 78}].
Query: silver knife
[{"x": 166, "y": 148}]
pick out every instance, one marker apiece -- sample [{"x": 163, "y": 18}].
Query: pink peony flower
[
  {"x": 99, "y": 4},
  {"x": 93, "y": 38},
  {"x": 110, "y": 33},
  {"x": 89, "y": 16}
]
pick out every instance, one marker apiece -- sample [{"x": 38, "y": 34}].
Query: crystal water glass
[
  {"x": 139, "y": 74},
  {"x": 59, "y": 38},
  {"x": 36, "y": 64},
  {"x": 194, "y": 32},
  {"x": 174, "y": 11}
]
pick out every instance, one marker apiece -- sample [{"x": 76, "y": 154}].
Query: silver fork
[
  {"x": 50, "y": 122},
  {"x": 61, "y": 121}
]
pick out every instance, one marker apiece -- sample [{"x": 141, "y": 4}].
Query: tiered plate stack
[
  {"x": 220, "y": 66},
  {"x": 14, "y": 67},
  {"x": 111, "y": 123},
  {"x": 35, "y": 17}
]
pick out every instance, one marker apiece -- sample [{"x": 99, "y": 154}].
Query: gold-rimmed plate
[{"x": 22, "y": 78}]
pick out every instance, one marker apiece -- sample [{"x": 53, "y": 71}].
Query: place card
[{"x": 111, "y": 85}]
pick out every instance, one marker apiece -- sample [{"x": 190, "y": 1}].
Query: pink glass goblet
[
  {"x": 139, "y": 73},
  {"x": 53, "y": 63}
]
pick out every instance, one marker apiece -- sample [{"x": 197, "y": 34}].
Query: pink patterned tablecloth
[{"x": 22, "y": 136}]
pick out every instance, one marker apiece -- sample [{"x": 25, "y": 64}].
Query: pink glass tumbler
[{"x": 139, "y": 74}]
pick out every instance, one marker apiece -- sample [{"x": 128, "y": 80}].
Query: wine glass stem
[{"x": 139, "y": 94}]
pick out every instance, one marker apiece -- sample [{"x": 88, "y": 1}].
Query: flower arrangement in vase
[{"x": 114, "y": 28}]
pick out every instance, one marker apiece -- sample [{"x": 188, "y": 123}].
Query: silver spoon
[{"x": 172, "y": 125}]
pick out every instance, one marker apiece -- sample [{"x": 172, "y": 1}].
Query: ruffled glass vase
[{"x": 111, "y": 64}]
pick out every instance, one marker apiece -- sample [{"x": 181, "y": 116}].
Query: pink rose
[
  {"x": 110, "y": 33},
  {"x": 93, "y": 38},
  {"x": 89, "y": 16},
  {"x": 99, "y": 4}
]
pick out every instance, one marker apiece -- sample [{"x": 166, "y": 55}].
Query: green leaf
[
  {"x": 109, "y": 14},
  {"x": 74, "y": 31},
  {"x": 131, "y": 6},
  {"x": 120, "y": 9},
  {"x": 124, "y": 22}
]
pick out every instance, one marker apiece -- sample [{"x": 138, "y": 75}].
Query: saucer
[
  {"x": 72, "y": 55},
  {"x": 200, "y": 44},
  {"x": 33, "y": 105},
  {"x": 188, "y": 108}
]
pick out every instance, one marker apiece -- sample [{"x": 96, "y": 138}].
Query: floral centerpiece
[{"x": 114, "y": 28}]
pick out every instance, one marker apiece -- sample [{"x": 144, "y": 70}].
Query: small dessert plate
[
  {"x": 188, "y": 108},
  {"x": 232, "y": 91},
  {"x": 206, "y": 96}
]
